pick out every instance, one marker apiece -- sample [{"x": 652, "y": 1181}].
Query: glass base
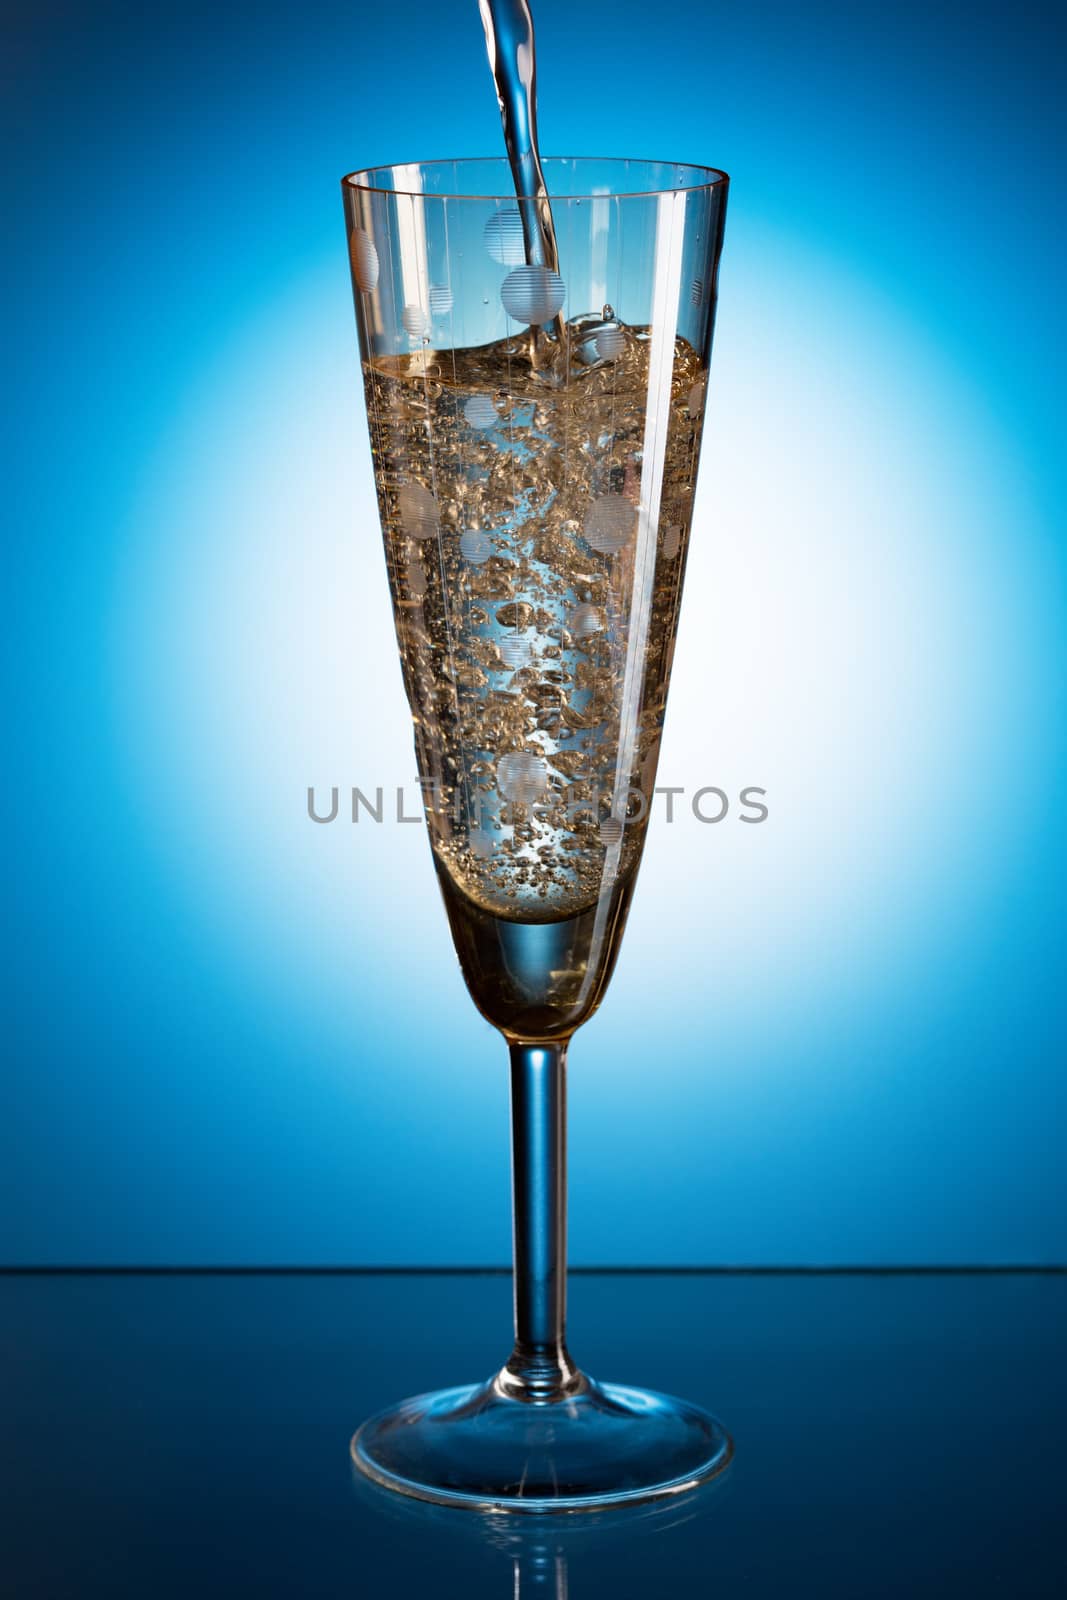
[{"x": 602, "y": 1446}]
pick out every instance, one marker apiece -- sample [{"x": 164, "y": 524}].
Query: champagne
[{"x": 536, "y": 598}]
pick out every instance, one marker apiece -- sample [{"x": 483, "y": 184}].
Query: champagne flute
[{"x": 535, "y": 437}]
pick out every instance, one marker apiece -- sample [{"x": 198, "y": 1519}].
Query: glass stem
[{"x": 540, "y": 1369}]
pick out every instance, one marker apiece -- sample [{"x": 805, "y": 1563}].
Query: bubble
[
  {"x": 672, "y": 539},
  {"x": 610, "y": 342},
  {"x": 516, "y": 615},
  {"x": 522, "y": 778},
  {"x": 695, "y": 401},
  {"x": 504, "y": 238},
  {"x": 364, "y": 259},
  {"x": 416, "y": 579},
  {"x": 610, "y": 523},
  {"x": 480, "y": 412},
  {"x": 418, "y": 511},
  {"x": 514, "y": 652},
  {"x": 610, "y": 831},
  {"x": 440, "y": 299},
  {"x": 585, "y": 620},
  {"x": 415, "y": 321},
  {"x": 532, "y": 294},
  {"x": 475, "y": 547}
]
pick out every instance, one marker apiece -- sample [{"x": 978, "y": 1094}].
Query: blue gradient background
[{"x": 236, "y": 1037}]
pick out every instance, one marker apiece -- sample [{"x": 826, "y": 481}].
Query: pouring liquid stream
[{"x": 509, "y": 40}]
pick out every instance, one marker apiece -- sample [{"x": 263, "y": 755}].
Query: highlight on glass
[{"x": 535, "y": 397}]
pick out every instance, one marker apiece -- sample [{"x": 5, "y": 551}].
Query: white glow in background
[{"x": 864, "y": 634}]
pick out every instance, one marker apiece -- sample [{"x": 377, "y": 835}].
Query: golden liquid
[{"x": 536, "y": 602}]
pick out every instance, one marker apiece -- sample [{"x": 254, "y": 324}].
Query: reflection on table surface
[
  {"x": 537, "y": 1549},
  {"x": 173, "y": 1435}
]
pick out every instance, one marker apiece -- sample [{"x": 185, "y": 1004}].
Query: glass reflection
[{"x": 536, "y": 1551}]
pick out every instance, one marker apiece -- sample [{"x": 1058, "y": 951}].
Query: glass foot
[{"x": 602, "y": 1446}]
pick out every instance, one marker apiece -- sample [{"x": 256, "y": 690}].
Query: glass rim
[{"x": 712, "y": 178}]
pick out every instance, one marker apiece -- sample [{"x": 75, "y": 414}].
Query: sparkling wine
[{"x": 536, "y": 597}]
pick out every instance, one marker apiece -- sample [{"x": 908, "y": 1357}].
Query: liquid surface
[{"x": 536, "y": 582}]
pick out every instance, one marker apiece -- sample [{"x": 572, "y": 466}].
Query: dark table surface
[{"x": 178, "y": 1435}]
